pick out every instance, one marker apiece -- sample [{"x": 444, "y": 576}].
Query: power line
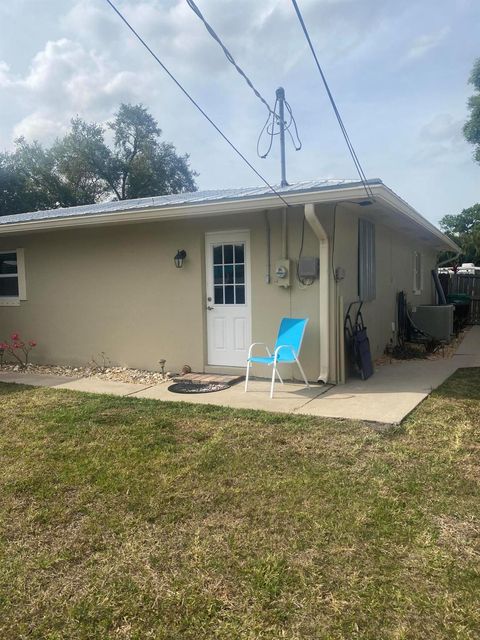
[
  {"x": 195, "y": 103},
  {"x": 227, "y": 53},
  {"x": 355, "y": 159},
  {"x": 273, "y": 119}
]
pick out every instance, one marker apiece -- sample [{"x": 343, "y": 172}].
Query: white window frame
[
  {"x": 417, "y": 273},
  {"x": 14, "y": 301},
  {"x": 367, "y": 262}
]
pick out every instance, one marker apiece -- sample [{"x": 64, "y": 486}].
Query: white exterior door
[{"x": 228, "y": 298}]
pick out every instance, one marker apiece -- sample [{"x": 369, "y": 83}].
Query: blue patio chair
[{"x": 286, "y": 350}]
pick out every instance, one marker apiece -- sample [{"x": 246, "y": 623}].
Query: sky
[{"x": 398, "y": 71}]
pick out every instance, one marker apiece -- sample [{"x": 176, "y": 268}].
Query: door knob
[{"x": 209, "y": 308}]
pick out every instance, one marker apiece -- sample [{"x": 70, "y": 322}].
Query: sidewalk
[{"x": 387, "y": 397}]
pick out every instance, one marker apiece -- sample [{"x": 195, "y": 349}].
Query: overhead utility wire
[
  {"x": 227, "y": 53},
  {"x": 355, "y": 159},
  {"x": 273, "y": 118},
  {"x": 195, "y": 103}
]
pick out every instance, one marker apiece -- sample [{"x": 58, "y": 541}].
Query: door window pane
[
  {"x": 228, "y": 271},
  {"x": 229, "y": 295},
  {"x": 217, "y": 275},
  {"x": 217, "y": 254},
  {"x": 239, "y": 253},
  {"x": 240, "y": 294},
  {"x": 239, "y": 274},
  {"x": 228, "y": 253},
  {"x": 218, "y": 295}
]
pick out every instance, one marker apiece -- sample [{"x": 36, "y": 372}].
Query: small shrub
[
  {"x": 17, "y": 348},
  {"x": 100, "y": 363}
]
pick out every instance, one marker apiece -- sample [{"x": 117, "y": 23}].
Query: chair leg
[
  {"x": 302, "y": 372},
  {"x": 279, "y": 376},
  {"x": 274, "y": 371},
  {"x": 247, "y": 374}
]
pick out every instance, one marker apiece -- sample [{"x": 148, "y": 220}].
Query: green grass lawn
[{"x": 128, "y": 518}]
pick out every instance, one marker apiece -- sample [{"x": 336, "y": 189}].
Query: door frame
[{"x": 227, "y": 235}]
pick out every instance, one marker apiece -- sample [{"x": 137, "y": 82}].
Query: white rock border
[{"x": 117, "y": 374}]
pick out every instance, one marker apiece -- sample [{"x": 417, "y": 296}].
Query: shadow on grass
[{"x": 11, "y": 388}]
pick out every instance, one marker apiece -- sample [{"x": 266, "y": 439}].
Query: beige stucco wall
[
  {"x": 394, "y": 270},
  {"x": 115, "y": 289}
]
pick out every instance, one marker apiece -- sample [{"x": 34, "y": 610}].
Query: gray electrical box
[{"x": 308, "y": 267}]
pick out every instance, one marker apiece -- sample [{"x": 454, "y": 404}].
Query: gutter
[
  {"x": 324, "y": 292},
  {"x": 225, "y": 207},
  {"x": 195, "y": 210}
]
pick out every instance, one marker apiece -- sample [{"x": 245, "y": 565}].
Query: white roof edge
[
  {"x": 389, "y": 196},
  {"x": 199, "y": 209}
]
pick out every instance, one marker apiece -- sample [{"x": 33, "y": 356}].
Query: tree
[
  {"x": 31, "y": 179},
  {"x": 139, "y": 164},
  {"x": 471, "y": 128},
  {"x": 81, "y": 168},
  {"x": 142, "y": 165},
  {"x": 12, "y": 188},
  {"x": 464, "y": 229},
  {"x": 84, "y": 162}
]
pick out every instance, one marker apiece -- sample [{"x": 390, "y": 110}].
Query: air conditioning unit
[{"x": 436, "y": 320}]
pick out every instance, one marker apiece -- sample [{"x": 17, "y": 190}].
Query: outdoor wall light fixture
[{"x": 179, "y": 258}]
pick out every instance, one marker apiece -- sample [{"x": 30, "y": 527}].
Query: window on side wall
[
  {"x": 367, "y": 275},
  {"x": 417, "y": 273},
  {"x": 12, "y": 277}
]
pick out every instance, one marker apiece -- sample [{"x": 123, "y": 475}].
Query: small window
[
  {"x": 417, "y": 273},
  {"x": 12, "y": 277},
  {"x": 229, "y": 273},
  {"x": 366, "y": 260}
]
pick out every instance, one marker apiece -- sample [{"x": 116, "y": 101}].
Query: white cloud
[
  {"x": 425, "y": 43},
  {"x": 441, "y": 140},
  {"x": 65, "y": 79},
  {"x": 38, "y": 126},
  {"x": 5, "y": 75},
  {"x": 77, "y": 57}
]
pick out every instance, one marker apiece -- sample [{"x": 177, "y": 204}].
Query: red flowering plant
[{"x": 17, "y": 348}]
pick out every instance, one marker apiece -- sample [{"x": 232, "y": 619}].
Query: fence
[{"x": 469, "y": 284}]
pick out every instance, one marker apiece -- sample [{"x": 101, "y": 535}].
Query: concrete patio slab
[
  {"x": 35, "y": 379},
  {"x": 288, "y": 398},
  {"x": 387, "y": 397},
  {"x": 97, "y": 385}
]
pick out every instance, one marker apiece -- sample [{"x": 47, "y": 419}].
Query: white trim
[
  {"x": 243, "y": 205},
  {"x": 417, "y": 291},
  {"x": 9, "y": 302},
  {"x": 14, "y": 301},
  {"x": 22, "y": 280},
  {"x": 228, "y": 236}
]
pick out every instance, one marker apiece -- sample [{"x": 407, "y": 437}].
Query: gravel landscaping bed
[{"x": 117, "y": 374}]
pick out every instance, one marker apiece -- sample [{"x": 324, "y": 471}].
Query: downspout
[
  {"x": 440, "y": 264},
  {"x": 324, "y": 292},
  {"x": 440, "y": 297}
]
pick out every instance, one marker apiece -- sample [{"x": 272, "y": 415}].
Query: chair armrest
[
  {"x": 284, "y": 346},
  {"x": 255, "y": 344}
]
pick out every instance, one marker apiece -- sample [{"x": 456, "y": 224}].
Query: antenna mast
[{"x": 280, "y": 93}]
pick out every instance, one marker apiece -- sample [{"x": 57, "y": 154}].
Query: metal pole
[{"x": 281, "y": 115}]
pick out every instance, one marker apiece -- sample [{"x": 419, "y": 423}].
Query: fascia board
[{"x": 229, "y": 207}]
